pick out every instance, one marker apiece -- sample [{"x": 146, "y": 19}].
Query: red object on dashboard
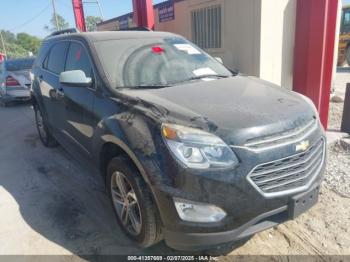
[{"x": 158, "y": 49}]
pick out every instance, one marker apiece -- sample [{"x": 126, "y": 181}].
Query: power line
[
  {"x": 31, "y": 19},
  {"x": 98, "y": 4}
]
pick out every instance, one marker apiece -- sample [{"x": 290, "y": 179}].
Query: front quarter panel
[{"x": 127, "y": 128}]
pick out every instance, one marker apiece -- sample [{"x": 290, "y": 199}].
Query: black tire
[
  {"x": 45, "y": 136},
  {"x": 150, "y": 232}
]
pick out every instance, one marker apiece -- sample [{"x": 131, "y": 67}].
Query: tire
[
  {"x": 45, "y": 136},
  {"x": 142, "y": 224}
]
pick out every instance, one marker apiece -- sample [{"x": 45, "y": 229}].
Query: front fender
[{"x": 133, "y": 134}]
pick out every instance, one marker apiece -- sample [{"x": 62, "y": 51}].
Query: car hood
[{"x": 237, "y": 108}]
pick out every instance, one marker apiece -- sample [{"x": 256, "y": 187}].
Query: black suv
[{"x": 191, "y": 152}]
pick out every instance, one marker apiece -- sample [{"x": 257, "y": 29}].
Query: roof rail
[
  {"x": 65, "y": 31},
  {"x": 138, "y": 28}
]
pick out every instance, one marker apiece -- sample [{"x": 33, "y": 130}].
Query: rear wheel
[
  {"x": 132, "y": 202},
  {"x": 44, "y": 133}
]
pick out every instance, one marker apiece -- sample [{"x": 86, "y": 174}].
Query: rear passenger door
[
  {"x": 78, "y": 101},
  {"x": 48, "y": 78}
]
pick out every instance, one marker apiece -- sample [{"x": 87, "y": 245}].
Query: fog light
[{"x": 198, "y": 212}]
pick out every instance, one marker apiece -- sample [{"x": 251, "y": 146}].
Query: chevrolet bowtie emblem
[{"x": 303, "y": 146}]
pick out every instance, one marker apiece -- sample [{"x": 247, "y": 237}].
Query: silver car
[{"x": 15, "y": 80}]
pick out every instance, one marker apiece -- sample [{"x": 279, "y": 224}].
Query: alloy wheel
[{"x": 126, "y": 204}]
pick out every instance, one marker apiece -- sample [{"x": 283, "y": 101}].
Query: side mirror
[
  {"x": 75, "y": 78},
  {"x": 219, "y": 59}
]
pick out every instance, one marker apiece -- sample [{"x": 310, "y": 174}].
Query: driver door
[{"x": 78, "y": 101}]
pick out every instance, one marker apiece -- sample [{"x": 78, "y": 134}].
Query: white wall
[
  {"x": 181, "y": 24},
  {"x": 336, "y": 46},
  {"x": 240, "y": 30},
  {"x": 242, "y": 35},
  {"x": 277, "y": 41}
]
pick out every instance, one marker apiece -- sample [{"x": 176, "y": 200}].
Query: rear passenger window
[
  {"x": 78, "y": 59},
  {"x": 56, "y": 59}
]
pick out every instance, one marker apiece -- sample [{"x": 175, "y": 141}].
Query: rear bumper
[
  {"x": 201, "y": 241},
  {"x": 18, "y": 95}
]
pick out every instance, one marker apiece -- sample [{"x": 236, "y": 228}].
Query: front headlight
[{"x": 198, "y": 149}]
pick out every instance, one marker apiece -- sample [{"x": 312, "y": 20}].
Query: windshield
[
  {"x": 19, "y": 64},
  {"x": 154, "y": 62}
]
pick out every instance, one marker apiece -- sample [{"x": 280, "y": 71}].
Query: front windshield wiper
[
  {"x": 207, "y": 76},
  {"x": 147, "y": 86}
]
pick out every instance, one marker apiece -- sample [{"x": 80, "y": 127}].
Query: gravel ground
[
  {"x": 338, "y": 170},
  {"x": 335, "y": 116}
]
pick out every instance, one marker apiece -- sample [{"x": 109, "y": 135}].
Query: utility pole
[
  {"x": 98, "y": 4},
  {"x": 55, "y": 14},
  {"x": 3, "y": 43},
  {"x": 99, "y": 7}
]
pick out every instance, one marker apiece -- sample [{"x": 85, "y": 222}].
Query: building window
[
  {"x": 347, "y": 17},
  {"x": 206, "y": 27}
]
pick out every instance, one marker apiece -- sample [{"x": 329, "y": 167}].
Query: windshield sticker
[
  {"x": 204, "y": 71},
  {"x": 206, "y": 79},
  {"x": 188, "y": 49}
]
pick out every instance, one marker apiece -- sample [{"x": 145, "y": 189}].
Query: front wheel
[
  {"x": 45, "y": 136},
  {"x": 132, "y": 202}
]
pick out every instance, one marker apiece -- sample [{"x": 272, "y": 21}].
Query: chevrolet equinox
[{"x": 190, "y": 152}]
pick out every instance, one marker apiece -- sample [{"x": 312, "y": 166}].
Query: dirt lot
[{"x": 52, "y": 204}]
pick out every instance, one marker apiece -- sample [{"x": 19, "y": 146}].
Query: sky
[{"x": 31, "y": 16}]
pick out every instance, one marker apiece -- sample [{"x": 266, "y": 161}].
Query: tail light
[{"x": 10, "y": 81}]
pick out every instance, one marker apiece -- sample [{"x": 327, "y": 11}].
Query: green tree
[
  {"x": 19, "y": 45},
  {"x": 28, "y": 42},
  {"x": 8, "y": 36},
  {"x": 91, "y": 23},
  {"x": 15, "y": 51},
  {"x": 62, "y": 24}
]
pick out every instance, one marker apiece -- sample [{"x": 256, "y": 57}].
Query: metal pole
[
  {"x": 3, "y": 43},
  {"x": 55, "y": 14},
  {"x": 315, "y": 27},
  {"x": 99, "y": 8}
]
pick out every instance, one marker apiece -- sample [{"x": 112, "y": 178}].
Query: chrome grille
[
  {"x": 281, "y": 138},
  {"x": 289, "y": 174}
]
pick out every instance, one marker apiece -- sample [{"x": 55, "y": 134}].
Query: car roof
[{"x": 112, "y": 35}]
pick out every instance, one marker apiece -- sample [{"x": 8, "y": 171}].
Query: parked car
[
  {"x": 15, "y": 80},
  {"x": 190, "y": 152}
]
